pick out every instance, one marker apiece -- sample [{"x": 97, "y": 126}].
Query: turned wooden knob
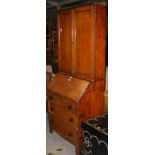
[
  {"x": 71, "y": 119},
  {"x": 50, "y": 97},
  {"x": 70, "y": 134},
  {"x": 52, "y": 109},
  {"x": 70, "y": 107}
]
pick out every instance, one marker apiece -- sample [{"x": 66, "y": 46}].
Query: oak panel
[
  {"x": 65, "y": 41},
  {"x": 84, "y": 42}
]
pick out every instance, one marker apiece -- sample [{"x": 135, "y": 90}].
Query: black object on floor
[{"x": 95, "y": 135}]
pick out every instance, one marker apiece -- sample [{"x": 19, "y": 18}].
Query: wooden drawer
[
  {"x": 69, "y": 117},
  {"x": 63, "y": 103},
  {"x": 70, "y": 134}
]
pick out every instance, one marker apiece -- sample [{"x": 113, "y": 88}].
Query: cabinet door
[
  {"x": 84, "y": 55},
  {"x": 65, "y": 41}
]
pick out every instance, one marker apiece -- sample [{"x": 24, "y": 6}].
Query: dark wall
[{"x": 52, "y": 14}]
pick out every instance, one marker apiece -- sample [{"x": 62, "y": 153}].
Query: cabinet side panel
[
  {"x": 91, "y": 105},
  {"x": 100, "y": 42}
]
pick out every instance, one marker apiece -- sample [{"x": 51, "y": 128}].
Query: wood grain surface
[{"x": 72, "y": 88}]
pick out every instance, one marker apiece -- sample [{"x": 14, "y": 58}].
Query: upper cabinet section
[{"x": 82, "y": 42}]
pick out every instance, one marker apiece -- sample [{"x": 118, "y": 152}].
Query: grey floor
[{"x": 54, "y": 142}]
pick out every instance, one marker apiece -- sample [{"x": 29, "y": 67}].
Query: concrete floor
[{"x": 54, "y": 142}]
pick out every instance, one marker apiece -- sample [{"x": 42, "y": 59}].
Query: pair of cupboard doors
[{"x": 82, "y": 42}]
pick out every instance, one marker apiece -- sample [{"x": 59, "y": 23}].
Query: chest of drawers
[{"x": 71, "y": 101}]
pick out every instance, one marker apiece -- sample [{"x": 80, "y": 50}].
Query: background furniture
[
  {"x": 95, "y": 135},
  {"x": 76, "y": 93},
  {"x": 51, "y": 45},
  {"x": 48, "y": 42},
  {"x": 48, "y": 79}
]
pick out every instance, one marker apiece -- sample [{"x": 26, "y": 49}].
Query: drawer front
[
  {"x": 63, "y": 103},
  {"x": 69, "y": 117},
  {"x": 70, "y": 134}
]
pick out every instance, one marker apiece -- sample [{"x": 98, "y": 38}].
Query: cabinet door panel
[
  {"x": 65, "y": 41},
  {"x": 84, "y": 43}
]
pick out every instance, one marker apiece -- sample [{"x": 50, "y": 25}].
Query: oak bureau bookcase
[{"x": 76, "y": 93}]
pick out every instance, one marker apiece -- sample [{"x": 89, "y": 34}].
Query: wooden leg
[
  {"x": 78, "y": 152},
  {"x": 51, "y": 130},
  {"x": 79, "y": 145},
  {"x": 51, "y": 126},
  {"x": 78, "y": 149}
]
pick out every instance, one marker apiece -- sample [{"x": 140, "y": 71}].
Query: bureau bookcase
[{"x": 76, "y": 93}]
